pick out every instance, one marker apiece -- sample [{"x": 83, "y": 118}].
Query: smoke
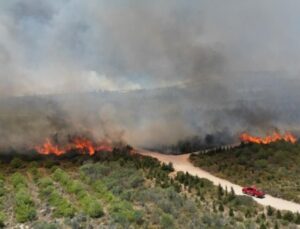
[{"x": 146, "y": 72}]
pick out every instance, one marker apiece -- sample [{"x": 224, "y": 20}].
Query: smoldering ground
[{"x": 160, "y": 72}]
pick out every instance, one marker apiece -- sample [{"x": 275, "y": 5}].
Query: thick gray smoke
[{"x": 147, "y": 72}]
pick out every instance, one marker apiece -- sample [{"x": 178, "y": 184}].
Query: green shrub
[
  {"x": 2, "y": 189},
  {"x": 61, "y": 176},
  {"x": 23, "y": 198},
  {"x": 45, "y": 182},
  {"x": 33, "y": 164},
  {"x": 45, "y": 225},
  {"x": 297, "y": 218},
  {"x": 46, "y": 187},
  {"x": 75, "y": 187},
  {"x": 167, "y": 221},
  {"x": 62, "y": 207},
  {"x": 49, "y": 164},
  {"x": 24, "y": 205},
  {"x": 288, "y": 216},
  {"x": 35, "y": 173},
  {"x": 123, "y": 213},
  {"x": 16, "y": 163},
  {"x": 261, "y": 164},
  {"x": 243, "y": 201},
  {"x": 24, "y": 209},
  {"x": 18, "y": 180},
  {"x": 262, "y": 226},
  {"x": 25, "y": 213},
  {"x": 101, "y": 189},
  {"x": 91, "y": 207},
  {"x": 2, "y": 219}
]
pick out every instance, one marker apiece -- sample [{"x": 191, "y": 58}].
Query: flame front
[
  {"x": 82, "y": 145},
  {"x": 49, "y": 148},
  {"x": 276, "y": 136}
]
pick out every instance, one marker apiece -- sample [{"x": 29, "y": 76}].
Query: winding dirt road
[{"x": 182, "y": 163}]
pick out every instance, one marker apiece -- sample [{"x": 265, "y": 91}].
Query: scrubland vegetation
[
  {"x": 273, "y": 168},
  {"x": 123, "y": 190},
  {"x": 2, "y": 199},
  {"x": 24, "y": 205}
]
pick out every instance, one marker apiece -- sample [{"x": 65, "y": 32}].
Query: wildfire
[
  {"x": 82, "y": 145},
  {"x": 274, "y": 137}
]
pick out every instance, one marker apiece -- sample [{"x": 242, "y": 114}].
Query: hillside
[
  {"x": 273, "y": 167},
  {"x": 121, "y": 190}
]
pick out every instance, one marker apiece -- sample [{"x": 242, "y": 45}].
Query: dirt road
[{"x": 182, "y": 163}]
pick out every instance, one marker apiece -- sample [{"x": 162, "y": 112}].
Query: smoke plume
[{"x": 146, "y": 72}]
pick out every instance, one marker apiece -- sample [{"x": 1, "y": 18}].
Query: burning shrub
[
  {"x": 79, "y": 144},
  {"x": 274, "y": 137}
]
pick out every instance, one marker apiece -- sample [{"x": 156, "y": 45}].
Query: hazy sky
[{"x": 49, "y": 46}]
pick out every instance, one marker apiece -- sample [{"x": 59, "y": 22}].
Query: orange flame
[
  {"x": 276, "y": 136},
  {"x": 49, "y": 148},
  {"x": 83, "y": 145}
]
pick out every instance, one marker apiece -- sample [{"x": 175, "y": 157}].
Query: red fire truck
[{"x": 253, "y": 191}]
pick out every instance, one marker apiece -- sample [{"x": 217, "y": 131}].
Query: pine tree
[
  {"x": 214, "y": 207},
  {"x": 270, "y": 211},
  {"x": 288, "y": 216},
  {"x": 220, "y": 192},
  {"x": 231, "y": 195},
  {"x": 262, "y": 226},
  {"x": 278, "y": 214},
  {"x": 297, "y": 218},
  {"x": 221, "y": 208},
  {"x": 248, "y": 213}
]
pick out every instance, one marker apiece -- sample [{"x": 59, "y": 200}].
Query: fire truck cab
[{"x": 253, "y": 191}]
